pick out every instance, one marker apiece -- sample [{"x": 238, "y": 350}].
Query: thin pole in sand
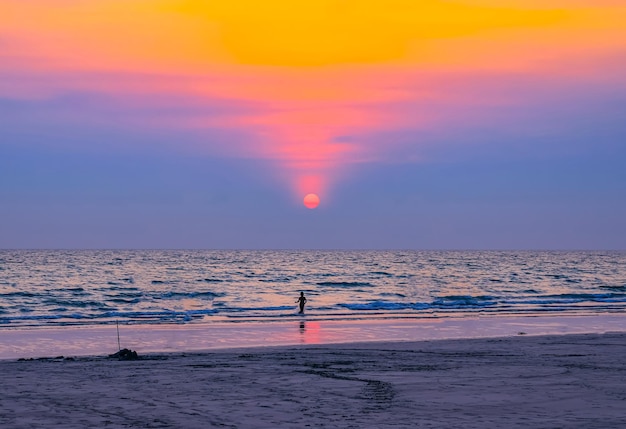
[{"x": 117, "y": 323}]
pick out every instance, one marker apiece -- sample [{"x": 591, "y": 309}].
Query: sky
[{"x": 461, "y": 124}]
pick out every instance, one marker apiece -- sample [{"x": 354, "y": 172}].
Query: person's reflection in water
[{"x": 302, "y": 328}]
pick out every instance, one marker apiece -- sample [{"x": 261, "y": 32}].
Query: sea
[{"x": 99, "y": 287}]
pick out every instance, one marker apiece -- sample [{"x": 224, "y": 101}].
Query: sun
[{"x": 311, "y": 201}]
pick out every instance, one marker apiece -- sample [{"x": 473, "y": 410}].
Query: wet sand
[
  {"x": 559, "y": 381},
  {"x": 20, "y": 342}
]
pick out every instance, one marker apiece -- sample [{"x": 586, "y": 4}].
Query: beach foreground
[{"x": 572, "y": 381}]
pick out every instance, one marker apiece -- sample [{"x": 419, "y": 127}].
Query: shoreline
[
  {"x": 568, "y": 380},
  {"x": 101, "y": 340}
]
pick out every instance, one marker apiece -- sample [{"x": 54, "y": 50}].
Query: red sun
[{"x": 311, "y": 201}]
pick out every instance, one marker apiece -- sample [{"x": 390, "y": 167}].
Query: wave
[
  {"x": 79, "y": 304},
  {"x": 570, "y": 298},
  {"x": 344, "y": 284},
  {"x": 122, "y": 288},
  {"x": 461, "y": 302},
  {"x": 277, "y": 280},
  {"x": 125, "y": 301},
  {"x": 225, "y": 309},
  {"x": 90, "y": 315},
  {"x": 123, "y": 295},
  {"x": 19, "y": 294},
  {"x": 159, "y": 316},
  {"x": 183, "y": 295},
  {"x": 38, "y": 317},
  {"x": 445, "y": 302},
  {"x": 74, "y": 290},
  {"x": 619, "y": 288},
  {"x": 383, "y": 305}
]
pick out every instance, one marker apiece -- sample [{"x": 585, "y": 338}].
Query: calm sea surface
[{"x": 83, "y": 287}]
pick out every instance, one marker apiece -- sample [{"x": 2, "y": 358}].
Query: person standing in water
[{"x": 302, "y": 301}]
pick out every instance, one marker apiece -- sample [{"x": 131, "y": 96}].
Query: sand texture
[{"x": 573, "y": 381}]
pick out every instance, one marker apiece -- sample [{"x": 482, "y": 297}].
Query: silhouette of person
[{"x": 301, "y": 300}]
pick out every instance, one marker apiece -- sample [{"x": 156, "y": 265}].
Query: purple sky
[{"x": 501, "y": 138}]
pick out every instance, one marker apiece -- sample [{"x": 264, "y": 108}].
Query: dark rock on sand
[{"x": 125, "y": 354}]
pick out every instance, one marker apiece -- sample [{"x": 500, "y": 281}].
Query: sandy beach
[{"x": 559, "y": 381}]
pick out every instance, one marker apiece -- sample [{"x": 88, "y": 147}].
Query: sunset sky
[{"x": 468, "y": 124}]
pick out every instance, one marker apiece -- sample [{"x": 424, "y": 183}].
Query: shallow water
[{"x": 87, "y": 287}]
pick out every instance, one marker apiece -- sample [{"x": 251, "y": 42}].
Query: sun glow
[{"x": 308, "y": 83}]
